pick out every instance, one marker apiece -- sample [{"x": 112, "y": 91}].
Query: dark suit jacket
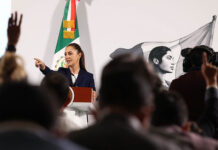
[
  {"x": 209, "y": 119},
  {"x": 202, "y": 104},
  {"x": 84, "y": 79},
  {"x": 114, "y": 132},
  {"x": 191, "y": 86}
]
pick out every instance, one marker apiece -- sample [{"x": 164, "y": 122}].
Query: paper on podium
[{"x": 81, "y": 99}]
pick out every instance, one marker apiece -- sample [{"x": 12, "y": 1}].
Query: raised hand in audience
[
  {"x": 39, "y": 63},
  {"x": 14, "y": 28},
  {"x": 209, "y": 72}
]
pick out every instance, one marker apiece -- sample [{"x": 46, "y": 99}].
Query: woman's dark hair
[{"x": 79, "y": 50}]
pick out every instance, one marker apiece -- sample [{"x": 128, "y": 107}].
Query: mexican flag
[
  {"x": 201, "y": 36},
  {"x": 69, "y": 33}
]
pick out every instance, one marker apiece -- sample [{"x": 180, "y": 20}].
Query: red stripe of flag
[{"x": 73, "y": 13}]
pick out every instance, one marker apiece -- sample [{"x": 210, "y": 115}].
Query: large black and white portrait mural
[{"x": 165, "y": 56}]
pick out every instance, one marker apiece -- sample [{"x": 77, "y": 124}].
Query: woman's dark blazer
[{"x": 84, "y": 79}]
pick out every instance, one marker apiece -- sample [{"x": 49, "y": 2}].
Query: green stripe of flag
[{"x": 61, "y": 41}]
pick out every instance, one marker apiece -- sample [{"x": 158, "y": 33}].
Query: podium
[{"x": 81, "y": 98}]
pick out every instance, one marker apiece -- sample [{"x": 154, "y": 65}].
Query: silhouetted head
[
  {"x": 162, "y": 59},
  {"x": 193, "y": 57},
  {"x": 170, "y": 109},
  {"x": 127, "y": 82},
  {"x": 57, "y": 84},
  {"x": 12, "y": 68},
  {"x": 23, "y": 102}
]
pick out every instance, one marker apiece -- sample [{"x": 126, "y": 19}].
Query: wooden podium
[{"x": 81, "y": 98}]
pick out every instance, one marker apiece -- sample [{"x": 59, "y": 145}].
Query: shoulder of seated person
[{"x": 62, "y": 68}]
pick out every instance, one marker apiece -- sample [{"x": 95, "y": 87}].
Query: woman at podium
[
  {"x": 77, "y": 75},
  {"x": 76, "y": 71}
]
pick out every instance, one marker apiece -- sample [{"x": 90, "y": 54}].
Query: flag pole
[{"x": 212, "y": 29}]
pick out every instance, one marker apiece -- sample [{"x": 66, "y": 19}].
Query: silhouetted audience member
[
  {"x": 12, "y": 65},
  {"x": 191, "y": 86},
  {"x": 171, "y": 113},
  {"x": 170, "y": 109},
  {"x": 12, "y": 68},
  {"x": 125, "y": 109},
  {"x": 26, "y": 115},
  {"x": 57, "y": 84},
  {"x": 13, "y": 32}
]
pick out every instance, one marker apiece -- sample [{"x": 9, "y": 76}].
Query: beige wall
[{"x": 106, "y": 25}]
